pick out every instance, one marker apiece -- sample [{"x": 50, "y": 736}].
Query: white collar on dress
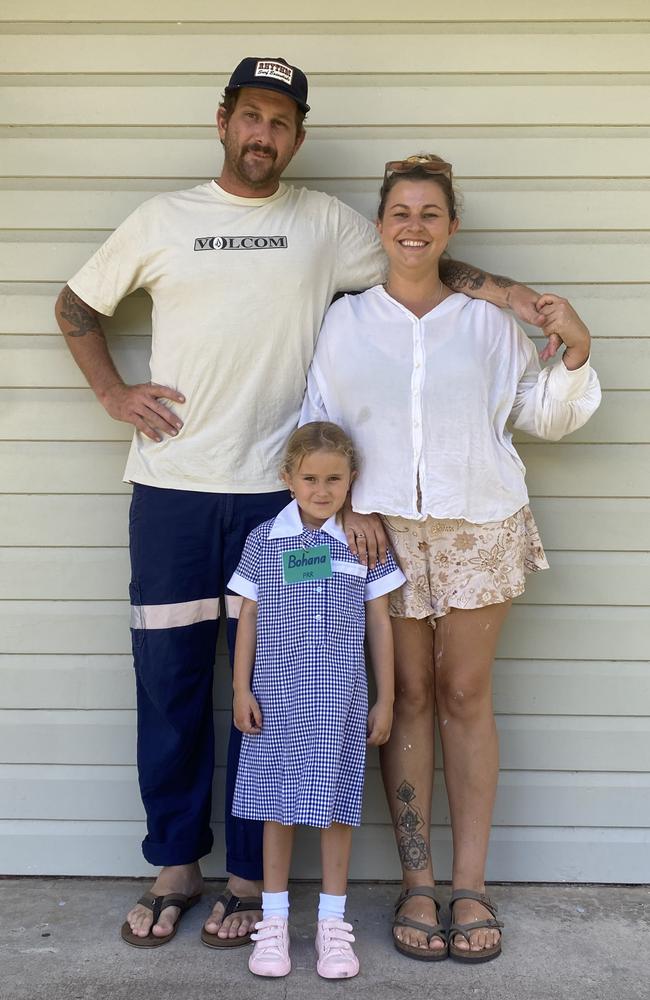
[{"x": 288, "y": 524}]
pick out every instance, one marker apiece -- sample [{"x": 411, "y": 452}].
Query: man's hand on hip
[{"x": 140, "y": 405}]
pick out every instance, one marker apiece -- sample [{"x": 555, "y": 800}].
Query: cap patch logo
[{"x": 274, "y": 70}]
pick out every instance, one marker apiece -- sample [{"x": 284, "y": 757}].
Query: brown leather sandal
[
  {"x": 432, "y": 931},
  {"x": 463, "y": 955},
  {"x": 157, "y": 904},
  {"x": 231, "y": 904}
]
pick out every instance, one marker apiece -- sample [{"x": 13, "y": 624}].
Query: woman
[{"x": 425, "y": 380}]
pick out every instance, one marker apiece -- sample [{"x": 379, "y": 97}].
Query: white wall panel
[{"x": 543, "y": 110}]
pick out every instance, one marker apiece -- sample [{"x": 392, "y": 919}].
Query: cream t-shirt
[{"x": 239, "y": 289}]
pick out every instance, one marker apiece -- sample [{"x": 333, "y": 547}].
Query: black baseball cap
[{"x": 271, "y": 74}]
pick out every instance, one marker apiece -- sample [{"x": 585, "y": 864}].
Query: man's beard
[{"x": 256, "y": 173}]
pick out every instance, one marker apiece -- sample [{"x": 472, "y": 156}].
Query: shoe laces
[
  {"x": 337, "y": 937},
  {"x": 270, "y": 935}
]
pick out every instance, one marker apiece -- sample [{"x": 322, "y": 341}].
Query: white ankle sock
[
  {"x": 331, "y": 907},
  {"x": 275, "y": 904}
]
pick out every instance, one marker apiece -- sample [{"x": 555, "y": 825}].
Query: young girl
[{"x": 307, "y": 604}]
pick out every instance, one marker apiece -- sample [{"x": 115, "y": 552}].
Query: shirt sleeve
[
  {"x": 360, "y": 259},
  {"x": 116, "y": 269},
  {"x": 313, "y": 406},
  {"x": 245, "y": 579},
  {"x": 552, "y": 401},
  {"x": 384, "y": 578}
]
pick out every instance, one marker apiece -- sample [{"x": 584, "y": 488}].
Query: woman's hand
[
  {"x": 380, "y": 722},
  {"x": 524, "y": 302},
  {"x": 366, "y": 536},
  {"x": 246, "y": 713},
  {"x": 562, "y": 325}
]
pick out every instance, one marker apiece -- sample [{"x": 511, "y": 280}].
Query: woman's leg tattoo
[{"x": 412, "y": 846}]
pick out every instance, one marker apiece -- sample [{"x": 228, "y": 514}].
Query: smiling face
[
  {"x": 259, "y": 137},
  {"x": 416, "y": 225},
  {"x": 320, "y": 484}
]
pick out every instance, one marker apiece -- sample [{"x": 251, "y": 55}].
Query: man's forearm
[
  {"x": 80, "y": 325},
  {"x": 476, "y": 283}
]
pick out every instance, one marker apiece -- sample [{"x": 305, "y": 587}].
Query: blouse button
[{"x": 317, "y": 618}]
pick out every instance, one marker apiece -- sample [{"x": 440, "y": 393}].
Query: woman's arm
[
  {"x": 245, "y": 709},
  {"x": 380, "y": 643},
  {"x": 559, "y": 399},
  {"x": 364, "y": 532}
]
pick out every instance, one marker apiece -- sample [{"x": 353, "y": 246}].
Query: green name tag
[{"x": 302, "y": 565}]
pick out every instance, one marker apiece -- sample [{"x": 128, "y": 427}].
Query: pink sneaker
[
  {"x": 336, "y": 959},
  {"x": 271, "y": 952}
]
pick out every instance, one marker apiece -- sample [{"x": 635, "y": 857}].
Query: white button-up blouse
[{"x": 431, "y": 401}]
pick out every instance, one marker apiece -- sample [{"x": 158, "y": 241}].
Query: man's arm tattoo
[
  {"x": 412, "y": 846},
  {"x": 459, "y": 276},
  {"x": 501, "y": 281},
  {"x": 81, "y": 318}
]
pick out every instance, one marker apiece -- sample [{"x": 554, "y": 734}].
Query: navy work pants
[{"x": 185, "y": 546}]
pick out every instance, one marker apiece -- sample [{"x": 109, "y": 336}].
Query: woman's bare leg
[
  {"x": 407, "y": 769},
  {"x": 465, "y": 645}
]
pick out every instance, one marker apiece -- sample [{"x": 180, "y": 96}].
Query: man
[{"x": 240, "y": 271}]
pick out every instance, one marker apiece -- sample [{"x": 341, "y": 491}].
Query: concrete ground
[{"x": 59, "y": 938}]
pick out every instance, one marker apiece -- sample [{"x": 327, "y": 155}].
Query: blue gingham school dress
[{"x": 307, "y": 764}]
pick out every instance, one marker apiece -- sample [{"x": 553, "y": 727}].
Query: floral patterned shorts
[{"x": 455, "y": 564}]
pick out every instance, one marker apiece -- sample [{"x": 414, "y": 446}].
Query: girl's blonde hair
[{"x": 320, "y": 435}]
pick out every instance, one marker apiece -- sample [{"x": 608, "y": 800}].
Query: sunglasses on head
[{"x": 431, "y": 165}]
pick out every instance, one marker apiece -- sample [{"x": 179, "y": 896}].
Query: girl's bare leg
[
  {"x": 465, "y": 645},
  {"x": 335, "y": 847},
  {"x": 407, "y": 769},
  {"x": 278, "y": 847}
]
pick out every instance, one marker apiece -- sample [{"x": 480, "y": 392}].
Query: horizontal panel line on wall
[
  {"x": 42, "y": 364},
  {"x": 514, "y": 157},
  {"x": 532, "y": 258},
  {"x": 331, "y": 53},
  {"x": 28, "y": 308},
  {"x": 287, "y": 11},
  {"x": 89, "y": 239},
  {"x": 521, "y": 686},
  {"x": 118, "y": 493},
  {"x": 530, "y": 442},
  {"x": 123, "y": 547},
  {"x": 73, "y": 414},
  {"x": 59, "y": 468},
  {"x": 534, "y": 854},
  {"x": 524, "y": 798},
  {"x": 79, "y": 716},
  {"x": 523, "y": 602},
  {"x": 427, "y": 22},
  {"x": 562, "y": 743},
  {"x": 618, "y": 525},
  {"x": 319, "y": 82},
  {"x": 598, "y": 633},
  {"x": 576, "y": 579}
]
